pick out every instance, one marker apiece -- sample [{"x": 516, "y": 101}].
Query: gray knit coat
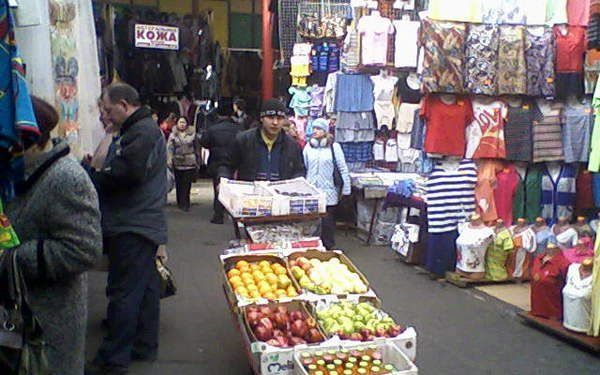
[{"x": 58, "y": 222}]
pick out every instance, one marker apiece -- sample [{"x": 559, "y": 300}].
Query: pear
[
  {"x": 304, "y": 281},
  {"x": 298, "y": 272},
  {"x": 283, "y": 282}
]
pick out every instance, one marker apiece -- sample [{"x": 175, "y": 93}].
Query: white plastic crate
[
  {"x": 245, "y": 199},
  {"x": 294, "y": 197}
]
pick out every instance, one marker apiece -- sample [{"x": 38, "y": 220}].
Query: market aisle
[{"x": 460, "y": 331}]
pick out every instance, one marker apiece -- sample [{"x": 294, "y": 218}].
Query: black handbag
[
  {"x": 22, "y": 346},
  {"x": 338, "y": 181},
  {"x": 168, "y": 287}
]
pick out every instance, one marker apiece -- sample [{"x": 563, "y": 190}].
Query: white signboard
[{"x": 156, "y": 36}]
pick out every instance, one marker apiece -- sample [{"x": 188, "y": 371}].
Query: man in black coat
[
  {"x": 265, "y": 153},
  {"x": 132, "y": 187},
  {"x": 218, "y": 139}
]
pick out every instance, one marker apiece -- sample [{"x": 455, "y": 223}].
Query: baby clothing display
[
  {"x": 383, "y": 92},
  {"x": 301, "y": 100},
  {"x": 564, "y": 235},
  {"x": 497, "y": 254},
  {"x": 524, "y": 244}
]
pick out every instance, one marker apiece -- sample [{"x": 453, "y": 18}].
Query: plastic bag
[{"x": 8, "y": 236}]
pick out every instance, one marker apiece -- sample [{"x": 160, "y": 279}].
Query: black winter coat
[
  {"x": 218, "y": 140},
  {"x": 243, "y": 157}
]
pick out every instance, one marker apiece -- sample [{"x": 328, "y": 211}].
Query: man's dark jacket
[
  {"x": 246, "y": 156},
  {"x": 218, "y": 139},
  {"x": 133, "y": 183}
]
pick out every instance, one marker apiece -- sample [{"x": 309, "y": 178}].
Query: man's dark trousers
[
  {"x": 134, "y": 301},
  {"x": 219, "y": 210}
]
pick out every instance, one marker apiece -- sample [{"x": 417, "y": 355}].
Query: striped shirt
[
  {"x": 450, "y": 194},
  {"x": 558, "y": 196},
  {"x": 547, "y": 135}
]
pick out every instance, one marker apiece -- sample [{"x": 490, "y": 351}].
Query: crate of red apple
[{"x": 327, "y": 273}]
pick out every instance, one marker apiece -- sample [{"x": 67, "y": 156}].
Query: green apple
[{"x": 298, "y": 272}]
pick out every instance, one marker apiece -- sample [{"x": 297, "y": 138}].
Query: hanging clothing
[
  {"x": 353, "y": 93},
  {"x": 591, "y": 68},
  {"x": 417, "y": 136},
  {"x": 355, "y": 127},
  {"x": 518, "y": 133},
  {"x": 519, "y": 261},
  {"x": 484, "y": 190},
  {"x": 406, "y": 43},
  {"x": 584, "y": 198},
  {"x": 441, "y": 252},
  {"x": 456, "y": 10},
  {"x": 507, "y": 181},
  {"x": 595, "y": 314},
  {"x": 565, "y": 239},
  {"x": 547, "y": 132},
  {"x": 383, "y": 92},
  {"x": 548, "y": 280},
  {"x": 485, "y": 134},
  {"x": 539, "y": 54},
  {"x": 577, "y": 122},
  {"x": 570, "y": 48},
  {"x": 471, "y": 246},
  {"x": 542, "y": 235},
  {"x": 443, "y": 48},
  {"x": 528, "y": 195},
  {"x": 374, "y": 30},
  {"x": 594, "y": 163},
  {"x": 504, "y": 12},
  {"x": 301, "y": 100},
  {"x": 316, "y": 101},
  {"x": 350, "y": 57},
  {"x": 496, "y": 255},
  {"x": 446, "y": 125},
  {"x": 577, "y": 255},
  {"x": 558, "y": 196},
  {"x": 409, "y": 88},
  {"x": 329, "y": 94},
  {"x": 577, "y": 300},
  {"x": 512, "y": 67},
  {"x": 556, "y": 12},
  {"x": 450, "y": 194},
  {"x": 482, "y": 58}
]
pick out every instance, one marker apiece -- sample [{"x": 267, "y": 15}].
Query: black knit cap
[{"x": 272, "y": 107}]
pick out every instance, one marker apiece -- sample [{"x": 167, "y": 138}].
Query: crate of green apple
[
  {"x": 327, "y": 272},
  {"x": 282, "y": 325},
  {"x": 361, "y": 320}
]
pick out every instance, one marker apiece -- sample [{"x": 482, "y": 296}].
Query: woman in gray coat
[{"x": 56, "y": 217}]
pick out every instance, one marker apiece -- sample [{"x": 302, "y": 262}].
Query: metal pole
[{"x": 267, "y": 61}]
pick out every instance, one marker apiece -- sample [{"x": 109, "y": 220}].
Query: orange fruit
[
  {"x": 281, "y": 271},
  {"x": 258, "y": 276},
  {"x": 264, "y": 263},
  {"x": 270, "y": 296},
  {"x": 281, "y": 293},
  {"x": 292, "y": 293},
  {"x": 235, "y": 279},
  {"x": 236, "y": 285},
  {"x": 241, "y": 290},
  {"x": 271, "y": 278},
  {"x": 264, "y": 289},
  {"x": 241, "y": 264},
  {"x": 255, "y": 294},
  {"x": 252, "y": 288},
  {"x": 233, "y": 272}
]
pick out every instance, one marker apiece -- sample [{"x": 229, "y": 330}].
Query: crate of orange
[{"x": 257, "y": 279}]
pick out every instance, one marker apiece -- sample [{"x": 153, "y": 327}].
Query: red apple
[
  {"x": 296, "y": 315},
  {"x": 266, "y": 311},
  {"x": 281, "y": 320},
  {"x": 380, "y": 332},
  {"x": 296, "y": 341},
  {"x": 356, "y": 336},
  {"x": 251, "y": 309},
  {"x": 395, "y": 330},
  {"x": 365, "y": 332},
  {"x": 293, "y": 263},
  {"x": 263, "y": 333},
  {"x": 253, "y": 318},
  {"x": 266, "y": 322},
  {"x": 314, "y": 336},
  {"x": 299, "y": 328},
  {"x": 311, "y": 323},
  {"x": 283, "y": 342},
  {"x": 278, "y": 333},
  {"x": 273, "y": 342},
  {"x": 306, "y": 267}
]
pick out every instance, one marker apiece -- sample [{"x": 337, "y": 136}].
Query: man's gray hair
[{"x": 122, "y": 91}]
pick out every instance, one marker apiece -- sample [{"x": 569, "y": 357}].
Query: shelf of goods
[{"x": 292, "y": 305}]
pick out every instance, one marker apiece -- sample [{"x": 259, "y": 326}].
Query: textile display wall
[{"x": 493, "y": 101}]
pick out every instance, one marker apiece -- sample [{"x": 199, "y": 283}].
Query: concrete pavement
[{"x": 461, "y": 331}]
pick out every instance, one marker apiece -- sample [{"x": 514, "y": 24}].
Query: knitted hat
[
  {"x": 322, "y": 124},
  {"x": 272, "y": 107}
]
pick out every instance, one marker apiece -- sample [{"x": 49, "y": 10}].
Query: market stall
[{"x": 491, "y": 103}]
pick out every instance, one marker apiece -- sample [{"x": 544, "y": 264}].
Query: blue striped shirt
[{"x": 450, "y": 194}]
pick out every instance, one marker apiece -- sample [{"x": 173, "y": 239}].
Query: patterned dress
[
  {"x": 512, "y": 68},
  {"x": 539, "y": 53},
  {"x": 481, "y": 55},
  {"x": 443, "y": 44}
]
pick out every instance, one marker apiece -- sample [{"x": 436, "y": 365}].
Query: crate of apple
[
  {"x": 326, "y": 277},
  {"x": 356, "y": 321},
  {"x": 282, "y": 327}
]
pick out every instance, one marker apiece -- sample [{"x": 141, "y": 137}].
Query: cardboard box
[
  {"x": 391, "y": 355},
  {"x": 271, "y": 360},
  {"x": 283, "y": 204},
  {"x": 244, "y": 199},
  {"x": 229, "y": 261},
  {"x": 324, "y": 256}
]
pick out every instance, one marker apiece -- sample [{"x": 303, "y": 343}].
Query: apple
[
  {"x": 283, "y": 341},
  {"x": 278, "y": 333},
  {"x": 314, "y": 336},
  {"x": 266, "y": 311},
  {"x": 296, "y": 341},
  {"x": 311, "y": 323},
  {"x": 365, "y": 332},
  {"x": 252, "y": 309},
  {"x": 266, "y": 322},
  {"x": 356, "y": 336},
  {"x": 263, "y": 333},
  {"x": 282, "y": 309},
  {"x": 293, "y": 263},
  {"x": 296, "y": 315},
  {"x": 380, "y": 332},
  {"x": 298, "y": 272},
  {"x": 253, "y": 318},
  {"x": 281, "y": 320},
  {"x": 299, "y": 328},
  {"x": 273, "y": 342}
]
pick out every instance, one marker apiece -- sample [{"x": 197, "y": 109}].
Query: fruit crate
[
  {"x": 245, "y": 199},
  {"x": 325, "y": 256},
  {"x": 271, "y": 360},
  {"x": 228, "y": 262},
  {"x": 391, "y": 354},
  {"x": 294, "y": 197}
]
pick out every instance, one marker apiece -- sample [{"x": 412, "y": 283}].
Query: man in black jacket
[
  {"x": 218, "y": 139},
  {"x": 132, "y": 187},
  {"x": 266, "y": 152}
]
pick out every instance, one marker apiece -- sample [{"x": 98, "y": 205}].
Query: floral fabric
[
  {"x": 482, "y": 47},
  {"x": 539, "y": 54},
  {"x": 512, "y": 68},
  {"x": 443, "y": 67}
]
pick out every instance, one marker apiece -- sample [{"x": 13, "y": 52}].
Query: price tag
[
  {"x": 549, "y": 79},
  {"x": 461, "y": 103},
  {"x": 526, "y": 106}
]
